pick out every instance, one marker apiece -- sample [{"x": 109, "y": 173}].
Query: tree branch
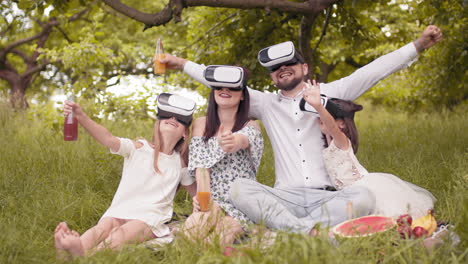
[
  {"x": 174, "y": 8},
  {"x": 148, "y": 19},
  {"x": 305, "y": 35},
  {"x": 21, "y": 54},
  {"x": 324, "y": 28},
  {"x": 32, "y": 70}
]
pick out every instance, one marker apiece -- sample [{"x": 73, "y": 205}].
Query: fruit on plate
[
  {"x": 404, "y": 225},
  {"x": 427, "y": 222},
  {"x": 419, "y": 232},
  {"x": 405, "y": 219},
  {"x": 364, "y": 226}
]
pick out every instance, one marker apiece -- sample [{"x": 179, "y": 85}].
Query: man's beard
[{"x": 289, "y": 85}]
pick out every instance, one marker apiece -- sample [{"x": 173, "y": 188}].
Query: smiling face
[
  {"x": 289, "y": 77},
  {"x": 172, "y": 127},
  {"x": 226, "y": 98}
]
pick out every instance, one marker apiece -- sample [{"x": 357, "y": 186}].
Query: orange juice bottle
[
  {"x": 203, "y": 189},
  {"x": 159, "y": 68}
]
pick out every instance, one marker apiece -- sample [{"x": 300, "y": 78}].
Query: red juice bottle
[{"x": 70, "y": 127}]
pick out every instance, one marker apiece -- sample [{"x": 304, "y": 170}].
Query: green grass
[{"x": 44, "y": 180}]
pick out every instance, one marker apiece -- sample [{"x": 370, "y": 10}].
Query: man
[{"x": 302, "y": 196}]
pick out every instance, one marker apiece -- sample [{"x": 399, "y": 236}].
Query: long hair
[
  {"x": 349, "y": 129},
  {"x": 181, "y": 147},
  {"x": 212, "y": 119}
]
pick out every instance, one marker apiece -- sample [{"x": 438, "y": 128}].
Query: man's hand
[
  {"x": 430, "y": 36},
  {"x": 172, "y": 62}
]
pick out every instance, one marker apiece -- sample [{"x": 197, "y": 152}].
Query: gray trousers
[{"x": 298, "y": 210}]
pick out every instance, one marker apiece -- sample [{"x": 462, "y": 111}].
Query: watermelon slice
[{"x": 364, "y": 226}]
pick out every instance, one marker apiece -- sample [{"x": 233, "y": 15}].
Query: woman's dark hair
[
  {"x": 349, "y": 129},
  {"x": 212, "y": 119}
]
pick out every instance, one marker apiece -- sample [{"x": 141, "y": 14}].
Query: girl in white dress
[
  {"x": 394, "y": 196},
  {"x": 143, "y": 201}
]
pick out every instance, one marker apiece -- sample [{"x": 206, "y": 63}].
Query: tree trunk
[{"x": 17, "y": 91}]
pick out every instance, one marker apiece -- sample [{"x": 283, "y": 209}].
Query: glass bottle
[
  {"x": 159, "y": 68},
  {"x": 70, "y": 125}
]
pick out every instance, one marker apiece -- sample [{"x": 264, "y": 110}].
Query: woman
[{"x": 230, "y": 145}]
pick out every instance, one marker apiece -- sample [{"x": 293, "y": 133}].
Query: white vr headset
[
  {"x": 172, "y": 105},
  {"x": 334, "y": 109},
  {"x": 278, "y": 55},
  {"x": 220, "y": 76}
]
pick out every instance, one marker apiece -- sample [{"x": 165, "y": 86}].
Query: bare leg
[
  {"x": 69, "y": 241},
  {"x": 199, "y": 224},
  {"x": 99, "y": 232},
  {"x": 133, "y": 231}
]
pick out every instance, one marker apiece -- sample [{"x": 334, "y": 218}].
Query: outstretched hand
[
  {"x": 312, "y": 93},
  {"x": 172, "y": 62},
  {"x": 429, "y": 37}
]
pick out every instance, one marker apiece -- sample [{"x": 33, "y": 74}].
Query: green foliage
[{"x": 45, "y": 180}]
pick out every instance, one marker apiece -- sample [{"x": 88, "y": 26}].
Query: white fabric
[
  {"x": 144, "y": 194},
  {"x": 342, "y": 166},
  {"x": 295, "y": 135},
  {"x": 393, "y": 196}
]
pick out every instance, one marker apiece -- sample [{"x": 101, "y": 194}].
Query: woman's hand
[
  {"x": 312, "y": 93},
  {"x": 196, "y": 204},
  {"x": 228, "y": 141},
  {"x": 70, "y": 106},
  {"x": 172, "y": 62}
]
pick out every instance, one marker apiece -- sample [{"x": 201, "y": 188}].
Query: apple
[
  {"x": 405, "y": 219},
  {"x": 404, "y": 231},
  {"x": 419, "y": 232}
]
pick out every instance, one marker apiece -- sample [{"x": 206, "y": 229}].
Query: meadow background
[{"x": 45, "y": 180}]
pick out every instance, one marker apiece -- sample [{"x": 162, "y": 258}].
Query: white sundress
[
  {"x": 144, "y": 194},
  {"x": 394, "y": 196}
]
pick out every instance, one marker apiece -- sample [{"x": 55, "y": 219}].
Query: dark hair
[
  {"x": 349, "y": 129},
  {"x": 212, "y": 119}
]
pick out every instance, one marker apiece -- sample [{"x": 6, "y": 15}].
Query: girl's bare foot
[
  {"x": 62, "y": 226},
  {"x": 68, "y": 242}
]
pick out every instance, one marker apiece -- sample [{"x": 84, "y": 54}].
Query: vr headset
[
  {"x": 278, "y": 55},
  {"x": 220, "y": 76},
  {"x": 334, "y": 109},
  {"x": 171, "y": 105}
]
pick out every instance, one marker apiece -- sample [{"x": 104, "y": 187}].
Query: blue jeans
[{"x": 298, "y": 210}]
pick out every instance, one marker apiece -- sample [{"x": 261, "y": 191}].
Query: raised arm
[
  {"x": 193, "y": 69},
  {"x": 312, "y": 97},
  {"x": 98, "y": 132},
  {"x": 354, "y": 85}
]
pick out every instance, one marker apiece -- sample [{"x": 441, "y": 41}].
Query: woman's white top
[{"x": 144, "y": 194}]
